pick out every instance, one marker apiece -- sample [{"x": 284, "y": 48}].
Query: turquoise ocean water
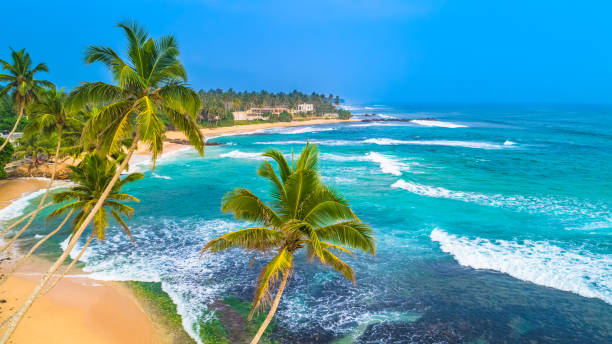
[{"x": 493, "y": 224}]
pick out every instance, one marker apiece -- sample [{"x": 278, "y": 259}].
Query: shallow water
[{"x": 491, "y": 226}]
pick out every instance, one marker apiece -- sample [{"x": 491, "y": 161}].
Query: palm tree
[
  {"x": 304, "y": 213},
  {"x": 91, "y": 176},
  {"x": 48, "y": 115},
  {"x": 20, "y": 81},
  {"x": 151, "y": 82}
]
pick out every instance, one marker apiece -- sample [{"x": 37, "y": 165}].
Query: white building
[{"x": 305, "y": 108}]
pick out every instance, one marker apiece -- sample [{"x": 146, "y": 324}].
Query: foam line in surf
[{"x": 539, "y": 262}]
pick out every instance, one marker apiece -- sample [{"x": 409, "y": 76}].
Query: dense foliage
[
  {"x": 218, "y": 105},
  {"x": 5, "y": 157}
]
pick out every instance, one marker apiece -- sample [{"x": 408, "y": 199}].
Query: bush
[
  {"x": 284, "y": 117},
  {"x": 344, "y": 114},
  {"x": 5, "y": 157}
]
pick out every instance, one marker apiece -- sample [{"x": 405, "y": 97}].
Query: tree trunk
[
  {"x": 37, "y": 245},
  {"x": 4, "y": 231},
  {"x": 275, "y": 303},
  {"x": 12, "y": 325},
  {"x": 44, "y": 197},
  {"x": 69, "y": 266},
  {"x": 14, "y": 127}
]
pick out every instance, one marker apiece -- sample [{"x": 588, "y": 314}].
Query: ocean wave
[
  {"x": 433, "y": 123},
  {"x": 388, "y": 163},
  {"x": 392, "y": 142},
  {"x": 381, "y": 124},
  {"x": 236, "y": 154},
  {"x": 465, "y": 144},
  {"x": 539, "y": 262},
  {"x": 568, "y": 207},
  {"x": 303, "y": 142},
  {"x": 17, "y": 207},
  {"x": 155, "y": 175},
  {"x": 172, "y": 257}
]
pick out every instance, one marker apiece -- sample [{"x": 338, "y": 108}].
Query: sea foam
[
  {"x": 242, "y": 155},
  {"x": 540, "y": 262},
  {"x": 570, "y": 208},
  {"x": 17, "y": 207},
  {"x": 432, "y": 123},
  {"x": 392, "y": 142},
  {"x": 388, "y": 163}
]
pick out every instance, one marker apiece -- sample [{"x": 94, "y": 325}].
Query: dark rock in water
[{"x": 214, "y": 143}]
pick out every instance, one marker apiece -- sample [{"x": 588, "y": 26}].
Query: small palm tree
[
  {"x": 21, "y": 84},
  {"x": 304, "y": 213},
  {"x": 91, "y": 176}
]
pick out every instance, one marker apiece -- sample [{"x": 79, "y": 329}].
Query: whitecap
[
  {"x": 155, "y": 175},
  {"x": 236, "y": 154},
  {"x": 435, "y": 123},
  {"x": 465, "y": 144},
  {"x": 539, "y": 262},
  {"x": 568, "y": 207}
]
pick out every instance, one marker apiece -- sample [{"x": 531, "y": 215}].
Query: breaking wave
[
  {"x": 531, "y": 204},
  {"x": 17, "y": 207},
  {"x": 388, "y": 164},
  {"x": 435, "y": 123},
  {"x": 539, "y": 262},
  {"x": 242, "y": 155},
  {"x": 392, "y": 142}
]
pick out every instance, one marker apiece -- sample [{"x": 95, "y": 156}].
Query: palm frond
[
  {"x": 268, "y": 277},
  {"x": 246, "y": 206},
  {"x": 354, "y": 234},
  {"x": 256, "y": 238}
]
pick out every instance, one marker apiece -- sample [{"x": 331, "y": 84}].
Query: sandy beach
[{"x": 79, "y": 309}]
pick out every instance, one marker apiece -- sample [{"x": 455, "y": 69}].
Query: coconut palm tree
[
  {"x": 149, "y": 83},
  {"x": 47, "y": 116},
  {"x": 91, "y": 176},
  {"x": 303, "y": 213},
  {"x": 21, "y": 84}
]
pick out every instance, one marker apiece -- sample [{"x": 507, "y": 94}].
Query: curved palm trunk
[
  {"x": 36, "y": 246},
  {"x": 4, "y": 231},
  {"x": 44, "y": 197},
  {"x": 69, "y": 266},
  {"x": 14, "y": 128},
  {"x": 12, "y": 325},
  {"x": 275, "y": 303}
]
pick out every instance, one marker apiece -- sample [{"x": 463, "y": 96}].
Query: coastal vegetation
[
  {"x": 21, "y": 84},
  {"x": 100, "y": 125},
  {"x": 218, "y": 105},
  {"x": 304, "y": 214}
]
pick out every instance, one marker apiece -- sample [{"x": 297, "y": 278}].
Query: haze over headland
[{"x": 387, "y": 51}]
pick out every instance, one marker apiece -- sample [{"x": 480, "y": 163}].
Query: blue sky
[{"x": 462, "y": 51}]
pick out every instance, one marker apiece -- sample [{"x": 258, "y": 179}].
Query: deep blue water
[{"x": 494, "y": 226}]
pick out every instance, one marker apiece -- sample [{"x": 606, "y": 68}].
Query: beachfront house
[
  {"x": 304, "y": 108},
  {"x": 258, "y": 113}
]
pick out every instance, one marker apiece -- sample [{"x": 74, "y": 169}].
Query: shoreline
[{"x": 86, "y": 308}]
